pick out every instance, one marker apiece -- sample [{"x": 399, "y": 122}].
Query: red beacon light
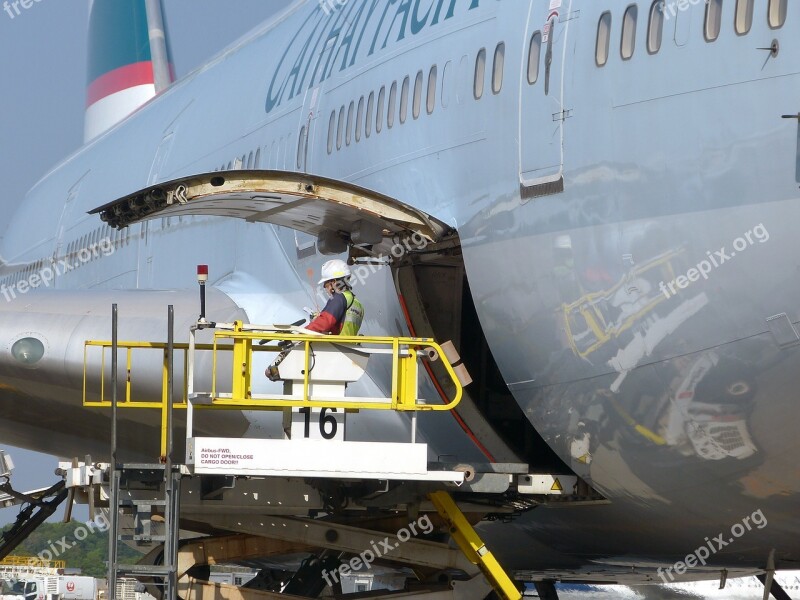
[
  {"x": 202, "y": 277},
  {"x": 202, "y": 274}
]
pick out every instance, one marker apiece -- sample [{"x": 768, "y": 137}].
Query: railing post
[
  {"x": 190, "y": 384},
  {"x": 114, "y": 500},
  {"x": 171, "y": 487}
]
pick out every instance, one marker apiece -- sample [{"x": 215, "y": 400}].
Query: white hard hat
[{"x": 334, "y": 269}]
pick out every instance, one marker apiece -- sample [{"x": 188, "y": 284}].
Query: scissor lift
[{"x": 298, "y": 492}]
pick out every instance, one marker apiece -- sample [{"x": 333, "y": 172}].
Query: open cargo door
[{"x": 336, "y": 213}]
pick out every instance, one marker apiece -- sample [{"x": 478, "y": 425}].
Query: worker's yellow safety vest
[{"x": 353, "y": 316}]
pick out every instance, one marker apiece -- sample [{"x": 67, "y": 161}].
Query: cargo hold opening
[
  {"x": 437, "y": 298},
  {"x": 431, "y": 282}
]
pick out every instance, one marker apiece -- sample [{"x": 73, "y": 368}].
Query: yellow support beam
[
  {"x": 242, "y": 354},
  {"x": 473, "y": 547}
]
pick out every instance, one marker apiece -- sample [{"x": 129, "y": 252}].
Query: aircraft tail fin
[{"x": 129, "y": 60}]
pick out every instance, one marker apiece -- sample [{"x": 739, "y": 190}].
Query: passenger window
[
  {"x": 331, "y": 131},
  {"x": 628, "y": 44},
  {"x": 257, "y": 162},
  {"x": 417, "y": 107},
  {"x": 713, "y": 19},
  {"x": 777, "y": 13},
  {"x": 250, "y": 160},
  {"x": 370, "y": 113},
  {"x": 350, "y": 111},
  {"x": 447, "y": 78},
  {"x": 379, "y": 112},
  {"x": 359, "y": 118},
  {"x": 404, "y": 99},
  {"x": 480, "y": 74},
  {"x": 744, "y": 16},
  {"x": 300, "y": 147},
  {"x": 390, "y": 110},
  {"x": 340, "y": 129},
  {"x": 497, "y": 70},
  {"x": 431, "y": 101},
  {"x": 534, "y": 55},
  {"x": 655, "y": 29},
  {"x": 603, "y": 39}
]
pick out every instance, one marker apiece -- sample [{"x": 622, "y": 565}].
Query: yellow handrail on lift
[
  {"x": 128, "y": 401},
  {"x": 404, "y": 351}
]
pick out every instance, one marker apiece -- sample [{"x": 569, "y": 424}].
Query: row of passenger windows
[
  {"x": 252, "y": 160},
  {"x": 79, "y": 251},
  {"x": 662, "y": 10},
  {"x": 102, "y": 236},
  {"x": 355, "y": 121}
]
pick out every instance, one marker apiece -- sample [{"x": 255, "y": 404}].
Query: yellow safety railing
[
  {"x": 128, "y": 401},
  {"x": 404, "y": 351},
  {"x": 32, "y": 561},
  {"x": 237, "y": 339}
]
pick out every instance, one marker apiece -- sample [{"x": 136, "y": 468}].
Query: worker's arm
[{"x": 331, "y": 316}]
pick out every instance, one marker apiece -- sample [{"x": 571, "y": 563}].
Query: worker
[{"x": 343, "y": 313}]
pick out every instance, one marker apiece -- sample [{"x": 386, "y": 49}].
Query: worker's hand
[{"x": 272, "y": 373}]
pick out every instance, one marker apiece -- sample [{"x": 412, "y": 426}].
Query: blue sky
[{"x": 43, "y": 70}]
